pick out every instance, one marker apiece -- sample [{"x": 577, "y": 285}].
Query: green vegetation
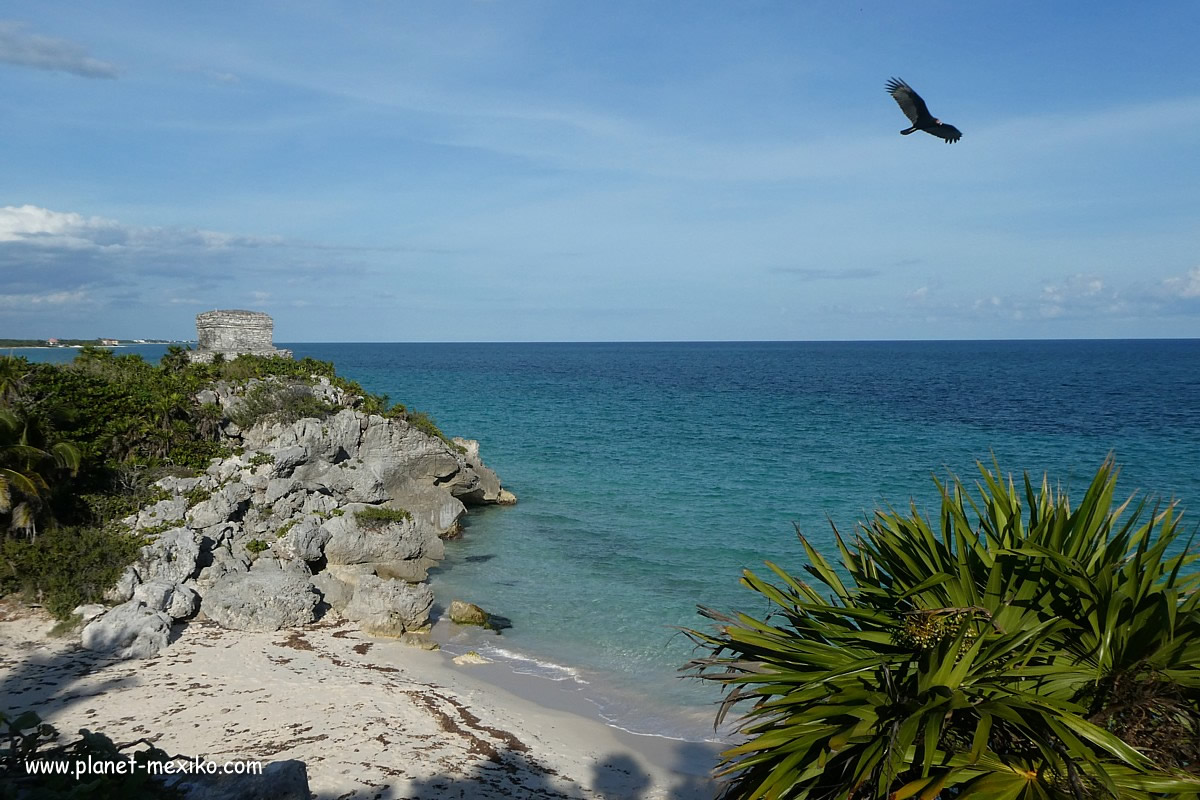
[
  {"x": 278, "y": 402},
  {"x": 1016, "y": 648},
  {"x": 66, "y": 566},
  {"x": 197, "y": 496},
  {"x": 284, "y": 528},
  {"x": 24, "y": 737},
  {"x": 261, "y": 458},
  {"x": 257, "y": 546},
  {"x": 379, "y": 516}
]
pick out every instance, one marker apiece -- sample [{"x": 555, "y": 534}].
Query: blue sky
[{"x": 511, "y": 171}]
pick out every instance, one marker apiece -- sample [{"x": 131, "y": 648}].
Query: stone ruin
[{"x": 232, "y": 333}]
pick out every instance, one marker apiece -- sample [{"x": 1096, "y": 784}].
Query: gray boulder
[
  {"x": 172, "y": 557},
  {"x": 262, "y": 600},
  {"x": 400, "y": 452},
  {"x": 177, "y": 600},
  {"x": 278, "y": 487},
  {"x": 352, "y": 543},
  {"x": 287, "y": 459},
  {"x": 464, "y": 613},
  {"x": 389, "y": 607},
  {"x": 355, "y": 482},
  {"x": 122, "y": 590},
  {"x": 305, "y": 540},
  {"x": 171, "y": 510},
  {"x": 89, "y": 612},
  {"x": 319, "y": 503},
  {"x": 221, "y": 562},
  {"x": 225, "y": 504},
  {"x": 335, "y": 592},
  {"x": 434, "y": 505},
  {"x": 131, "y": 630}
]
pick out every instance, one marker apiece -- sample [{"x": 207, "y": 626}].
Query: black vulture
[{"x": 918, "y": 113}]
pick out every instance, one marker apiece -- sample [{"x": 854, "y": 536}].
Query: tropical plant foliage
[{"x": 1018, "y": 647}]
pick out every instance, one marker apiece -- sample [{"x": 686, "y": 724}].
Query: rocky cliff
[{"x": 341, "y": 515}]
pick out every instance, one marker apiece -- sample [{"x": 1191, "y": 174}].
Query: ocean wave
[{"x": 528, "y": 665}]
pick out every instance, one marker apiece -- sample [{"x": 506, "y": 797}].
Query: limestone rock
[
  {"x": 169, "y": 511},
  {"x": 177, "y": 600},
  {"x": 122, "y": 590},
  {"x": 305, "y": 540},
  {"x": 131, "y": 630},
  {"x": 172, "y": 556},
  {"x": 287, "y": 459},
  {"x": 278, "y": 487},
  {"x": 225, "y": 504},
  {"x": 335, "y": 592},
  {"x": 207, "y": 397},
  {"x": 356, "y": 483},
  {"x": 434, "y": 505},
  {"x": 471, "y": 657},
  {"x": 419, "y": 640},
  {"x": 464, "y": 613},
  {"x": 401, "y": 452},
  {"x": 351, "y": 543},
  {"x": 506, "y": 498},
  {"x": 263, "y": 600},
  {"x": 319, "y": 503},
  {"x": 389, "y": 607},
  {"x": 89, "y": 612},
  {"x": 221, "y": 562}
]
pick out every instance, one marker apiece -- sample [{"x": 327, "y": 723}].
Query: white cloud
[
  {"x": 46, "y": 228},
  {"x": 24, "y": 301},
  {"x": 43, "y": 52},
  {"x": 31, "y": 223},
  {"x": 1186, "y": 286}
]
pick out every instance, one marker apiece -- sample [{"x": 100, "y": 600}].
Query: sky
[{"x": 605, "y": 171}]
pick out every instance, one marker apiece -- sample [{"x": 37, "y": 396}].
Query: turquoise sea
[{"x": 651, "y": 474}]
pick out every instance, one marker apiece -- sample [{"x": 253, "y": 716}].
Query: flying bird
[{"x": 918, "y": 113}]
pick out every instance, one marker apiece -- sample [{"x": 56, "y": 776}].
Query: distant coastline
[{"x": 78, "y": 344}]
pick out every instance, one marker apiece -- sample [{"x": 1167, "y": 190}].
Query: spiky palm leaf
[{"x": 970, "y": 661}]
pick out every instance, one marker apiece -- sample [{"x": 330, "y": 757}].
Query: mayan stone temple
[{"x": 232, "y": 333}]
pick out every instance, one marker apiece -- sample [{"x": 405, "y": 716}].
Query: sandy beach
[{"x": 371, "y": 718}]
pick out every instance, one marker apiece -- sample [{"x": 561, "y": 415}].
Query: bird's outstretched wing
[
  {"x": 943, "y": 131},
  {"x": 910, "y": 102}
]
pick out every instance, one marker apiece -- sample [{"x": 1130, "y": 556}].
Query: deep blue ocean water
[{"x": 650, "y": 475}]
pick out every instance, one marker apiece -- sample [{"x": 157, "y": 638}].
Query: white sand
[{"x": 371, "y": 718}]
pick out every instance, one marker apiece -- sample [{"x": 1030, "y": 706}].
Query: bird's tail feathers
[{"x": 910, "y": 130}]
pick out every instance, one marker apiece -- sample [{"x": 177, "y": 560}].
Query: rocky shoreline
[{"x": 339, "y": 516}]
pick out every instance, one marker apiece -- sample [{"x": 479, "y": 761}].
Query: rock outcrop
[
  {"x": 340, "y": 515},
  {"x": 131, "y": 630}
]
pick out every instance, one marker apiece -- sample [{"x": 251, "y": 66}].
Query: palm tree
[
  {"x": 23, "y": 486},
  {"x": 13, "y": 373}
]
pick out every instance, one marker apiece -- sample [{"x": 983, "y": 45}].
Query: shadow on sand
[{"x": 515, "y": 775}]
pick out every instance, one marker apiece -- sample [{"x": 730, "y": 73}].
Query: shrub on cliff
[
  {"x": 1001, "y": 652},
  {"x": 375, "y": 517},
  {"x": 278, "y": 402}
]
